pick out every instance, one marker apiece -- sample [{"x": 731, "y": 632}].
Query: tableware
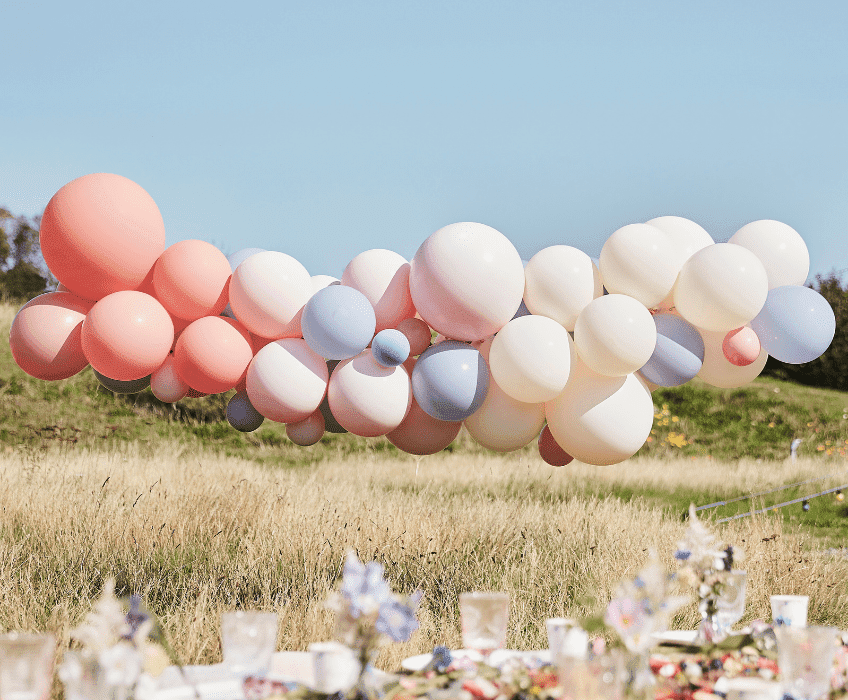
[
  {"x": 484, "y": 620},
  {"x": 731, "y": 602},
  {"x": 596, "y": 678},
  {"x": 748, "y": 688},
  {"x": 497, "y": 658},
  {"x": 678, "y": 637},
  {"x": 26, "y": 665},
  {"x": 805, "y": 658},
  {"x": 565, "y": 636},
  {"x": 789, "y": 610},
  {"x": 335, "y": 667},
  {"x": 248, "y": 639}
]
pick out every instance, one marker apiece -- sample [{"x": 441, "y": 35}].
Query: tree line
[{"x": 23, "y": 274}]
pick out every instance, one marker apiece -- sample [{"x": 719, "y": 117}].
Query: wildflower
[
  {"x": 397, "y": 619},
  {"x": 363, "y": 586}
]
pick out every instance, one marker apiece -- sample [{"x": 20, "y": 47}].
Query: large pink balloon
[
  {"x": 127, "y": 335},
  {"x": 213, "y": 353},
  {"x": 383, "y": 277},
  {"x": 101, "y": 234},
  {"x": 46, "y": 336},
  {"x": 191, "y": 278}
]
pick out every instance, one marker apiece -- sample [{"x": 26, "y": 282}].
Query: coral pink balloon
[
  {"x": 550, "y": 451},
  {"x": 383, "y": 277},
  {"x": 127, "y": 335},
  {"x": 307, "y": 432},
  {"x": 46, "y": 336},
  {"x": 191, "y": 279},
  {"x": 101, "y": 234},
  {"x": 166, "y": 384},
  {"x": 195, "y": 394},
  {"x": 417, "y": 333},
  {"x": 213, "y": 353},
  {"x": 421, "y": 434},
  {"x": 741, "y": 347}
]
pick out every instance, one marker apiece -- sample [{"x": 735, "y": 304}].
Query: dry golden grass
[{"x": 197, "y": 534}]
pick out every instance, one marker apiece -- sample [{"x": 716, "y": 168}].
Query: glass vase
[
  {"x": 710, "y": 629},
  {"x": 639, "y": 681}
]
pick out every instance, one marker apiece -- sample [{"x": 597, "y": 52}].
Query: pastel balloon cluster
[{"x": 562, "y": 349}]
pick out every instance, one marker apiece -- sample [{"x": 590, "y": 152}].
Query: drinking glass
[
  {"x": 731, "y": 602},
  {"x": 789, "y": 610},
  {"x": 26, "y": 665},
  {"x": 335, "y": 667},
  {"x": 805, "y": 658},
  {"x": 752, "y": 688},
  {"x": 484, "y": 617},
  {"x": 248, "y": 640},
  {"x": 596, "y": 678}
]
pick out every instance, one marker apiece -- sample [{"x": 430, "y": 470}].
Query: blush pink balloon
[
  {"x": 191, "y": 279},
  {"x": 741, "y": 347},
  {"x": 100, "y": 234},
  {"x": 166, "y": 384},
  {"x": 550, "y": 451},
  {"x": 213, "y": 353},
  {"x": 127, "y": 335},
  {"x": 308, "y": 431},
  {"x": 421, "y": 434},
  {"x": 195, "y": 394},
  {"x": 417, "y": 333},
  {"x": 46, "y": 336},
  {"x": 383, "y": 277}
]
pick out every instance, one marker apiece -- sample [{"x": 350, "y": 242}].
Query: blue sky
[{"x": 323, "y": 129}]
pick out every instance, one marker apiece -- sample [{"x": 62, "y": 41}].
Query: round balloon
[
  {"x": 466, "y": 281},
  {"x": 718, "y": 371},
  {"x": 166, "y": 384},
  {"x": 367, "y": 398},
  {"x": 417, "y": 333},
  {"x": 390, "y": 347},
  {"x": 46, "y": 336},
  {"x": 721, "y": 287},
  {"x": 100, "y": 234},
  {"x": 560, "y": 282},
  {"x": 686, "y": 236},
  {"x": 127, "y": 335},
  {"x": 308, "y": 431},
  {"x": 530, "y": 359},
  {"x": 383, "y": 277},
  {"x": 779, "y": 248},
  {"x": 132, "y": 387},
  {"x": 796, "y": 324},
  {"x": 503, "y": 423},
  {"x": 321, "y": 281},
  {"x": 615, "y": 335},
  {"x": 213, "y": 353},
  {"x": 421, "y": 434},
  {"x": 267, "y": 293},
  {"x": 741, "y": 346},
  {"x": 338, "y": 322},
  {"x": 190, "y": 279},
  {"x": 450, "y": 380},
  {"x": 242, "y": 415},
  {"x": 286, "y": 380},
  {"x": 550, "y": 451},
  {"x": 236, "y": 259},
  {"x": 679, "y": 352},
  {"x": 331, "y": 425}
]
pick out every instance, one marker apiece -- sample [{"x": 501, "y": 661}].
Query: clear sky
[{"x": 323, "y": 129}]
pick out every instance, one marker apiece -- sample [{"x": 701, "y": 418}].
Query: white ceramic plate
[
  {"x": 676, "y": 636},
  {"x": 497, "y": 657}
]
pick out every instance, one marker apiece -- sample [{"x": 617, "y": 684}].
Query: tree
[{"x": 23, "y": 273}]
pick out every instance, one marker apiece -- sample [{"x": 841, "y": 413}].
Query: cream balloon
[
  {"x": 308, "y": 431},
  {"x": 321, "y": 281},
  {"x": 383, "y": 277},
  {"x": 600, "y": 420},
  {"x": 559, "y": 282},
  {"x": 640, "y": 261},
  {"x": 467, "y": 281},
  {"x": 718, "y": 371},
  {"x": 615, "y": 335},
  {"x": 286, "y": 380},
  {"x": 504, "y": 424},
  {"x": 166, "y": 384},
  {"x": 780, "y": 249},
  {"x": 687, "y": 236},
  {"x": 368, "y": 399},
  {"x": 530, "y": 358},
  {"x": 267, "y": 293},
  {"x": 721, "y": 287}
]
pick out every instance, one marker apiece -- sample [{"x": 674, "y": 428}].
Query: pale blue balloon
[
  {"x": 390, "y": 347},
  {"x": 242, "y": 415},
  {"x": 338, "y": 322},
  {"x": 133, "y": 386},
  {"x": 450, "y": 380},
  {"x": 678, "y": 355},
  {"x": 796, "y": 324},
  {"x": 236, "y": 259}
]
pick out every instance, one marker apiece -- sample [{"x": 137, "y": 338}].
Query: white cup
[
  {"x": 335, "y": 667},
  {"x": 789, "y": 610},
  {"x": 566, "y": 637}
]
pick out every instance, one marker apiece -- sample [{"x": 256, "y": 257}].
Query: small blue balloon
[
  {"x": 678, "y": 355},
  {"x": 338, "y": 322},
  {"x": 796, "y": 325},
  {"x": 121, "y": 387},
  {"x": 390, "y": 347},
  {"x": 450, "y": 380},
  {"x": 236, "y": 259},
  {"x": 242, "y": 415}
]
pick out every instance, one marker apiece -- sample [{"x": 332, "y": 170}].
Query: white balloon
[
  {"x": 600, "y": 420},
  {"x": 166, "y": 384},
  {"x": 383, "y": 277},
  {"x": 615, "y": 335},
  {"x": 368, "y": 399},
  {"x": 640, "y": 261},
  {"x": 530, "y": 358},
  {"x": 687, "y": 236},
  {"x": 559, "y": 282},
  {"x": 308, "y": 431},
  {"x": 286, "y": 380},
  {"x": 503, "y": 424},
  {"x": 321, "y": 281},
  {"x": 268, "y": 292},
  {"x": 718, "y": 371},
  {"x": 721, "y": 287},
  {"x": 780, "y": 249},
  {"x": 467, "y": 281}
]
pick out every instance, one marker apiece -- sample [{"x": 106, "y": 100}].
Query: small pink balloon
[
  {"x": 191, "y": 279},
  {"x": 127, "y": 335},
  {"x": 421, "y": 434},
  {"x": 741, "y": 347},
  {"x": 550, "y": 451},
  {"x": 308, "y": 431},
  {"x": 166, "y": 384},
  {"x": 46, "y": 336},
  {"x": 213, "y": 353},
  {"x": 383, "y": 277},
  {"x": 417, "y": 333}
]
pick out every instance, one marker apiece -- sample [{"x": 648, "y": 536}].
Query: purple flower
[
  {"x": 441, "y": 660},
  {"x": 363, "y": 586},
  {"x": 682, "y": 554},
  {"x": 397, "y": 619}
]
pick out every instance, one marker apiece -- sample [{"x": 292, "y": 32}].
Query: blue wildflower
[
  {"x": 442, "y": 659},
  {"x": 396, "y": 619},
  {"x": 136, "y": 616},
  {"x": 682, "y": 554},
  {"x": 363, "y": 586}
]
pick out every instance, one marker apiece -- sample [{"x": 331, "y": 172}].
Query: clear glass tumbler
[
  {"x": 26, "y": 665},
  {"x": 484, "y": 620},
  {"x": 805, "y": 659},
  {"x": 248, "y": 641},
  {"x": 731, "y": 602}
]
